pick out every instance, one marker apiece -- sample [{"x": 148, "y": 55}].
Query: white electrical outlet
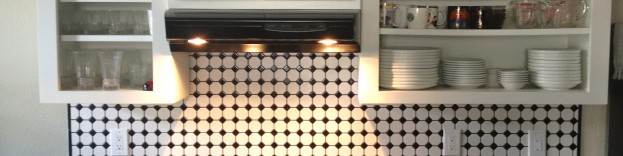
[
  {"x": 118, "y": 140},
  {"x": 451, "y": 142},
  {"x": 537, "y": 142}
]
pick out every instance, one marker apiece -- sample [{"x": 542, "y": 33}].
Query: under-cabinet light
[
  {"x": 197, "y": 41},
  {"x": 327, "y": 42}
]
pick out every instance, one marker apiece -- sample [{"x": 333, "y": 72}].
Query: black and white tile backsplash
[{"x": 306, "y": 104}]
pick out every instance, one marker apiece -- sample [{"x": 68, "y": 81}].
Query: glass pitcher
[
  {"x": 562, "y": 13},
  {"x": 525, "y": 13}
]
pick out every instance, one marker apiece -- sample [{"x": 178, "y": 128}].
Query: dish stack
[
  {"x": 409, "y": 68},
  {"x": 555, "y": 69},
  {"x": 464, "y": 72},
  {"x": 513, "y": 79}
]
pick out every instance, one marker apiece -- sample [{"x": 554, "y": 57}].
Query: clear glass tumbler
[
  {"x": 141, "y": 22},
  {"x": 110, "y": 68},
  {"x": 85, "y": 63}
]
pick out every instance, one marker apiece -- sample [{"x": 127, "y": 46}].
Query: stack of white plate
[
  {"x": 513, "y": 78},
  {"x": 464, "y": 72},
  {"x": 409, "y": 67},
  {"x": 555, "y": 69}
]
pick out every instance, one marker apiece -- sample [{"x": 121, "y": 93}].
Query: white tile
[
  {"x": 514, "y": 127},
  {"x": 553, "y": 127},
  {"x": 99, "y": 151},
  {"x": 86, "y": 151},
  {"x": 514, "y": 114},
  {"x": 435, "y": 126},
  {"x": 85, "y": 113}
]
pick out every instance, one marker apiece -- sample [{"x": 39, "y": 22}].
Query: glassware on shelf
[
  {"x": 110, "y": 68},
  {"x": 85, "y": 63},
  {"x": 386, "y": 11},
  {"x": 525, "y": 13},
  {"x": 140, "y": 21},
  {"x": 562, "y": 13},
  {"x": 68, "y": 70}
]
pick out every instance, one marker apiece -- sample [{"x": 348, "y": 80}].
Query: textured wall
[
  {"x": 274, "y": 103},
  {"x": 21, "y": 116}
]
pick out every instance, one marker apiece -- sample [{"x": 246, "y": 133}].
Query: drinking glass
[
  {"x": 132, "y": 73},
  {"x": 68, "y": 70},
  {"x": 141, "y": 22},
  {"x": 85, "y": 63},
  {"x": 110, "y": 68},
  {"x": 120, "y": 22}
]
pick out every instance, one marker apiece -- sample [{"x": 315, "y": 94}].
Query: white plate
[
  {"x": 425, "y": 58},
  {"x": 410, "y": 61},
  {"x": 463, "y": 59},
  {"x": 554, "y": 58},
  {"x": 555, "y": 65},
  {"x": 533, "y": 68},
  {"x": 389, "y": 73},
  {"x": 557, "y": 51},
  {"x": 557, "y": 75},
  {"x": 409, "y": 87},
  {"x": 464, "y": 72},
  {"x": 411, "y": 77},
  {"x": 410, "y": 54},
  {"x": 409, "y": 49},
  {"x": 463, "y": 69},
  {"x": 556, "y": 79},
  {"x": 554, "y": 55},
  {"x": 553, "y": 61},
  {"x": 561, "y": 72},
  {"x": 400, "y": 66},
  {"x": 410, "y": 70},
  {"x": 410, "y": 83}
]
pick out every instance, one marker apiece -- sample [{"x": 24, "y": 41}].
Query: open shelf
[
  {"x": 485, "y": 32},
  {"x": 108, "y": 1},
  {"x": 106, "y": 38}
]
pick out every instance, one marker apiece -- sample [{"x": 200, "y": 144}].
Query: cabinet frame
[
  {"x": 170, "y": 70},
  {"x": 596, "y": 64}
]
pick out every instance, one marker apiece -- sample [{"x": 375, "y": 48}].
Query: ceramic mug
[
  {"x": 442, "y": 20},
  {"x": 435, "y": 15},
  {"x": 419, "y": 17},
  {"x": 399, "y": 16}
]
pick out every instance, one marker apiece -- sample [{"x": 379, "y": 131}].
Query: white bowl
[
  {"x": 466, "y": 86},
  {"x": 513, "y": 85},
  {"x": 565, "y": 86}
]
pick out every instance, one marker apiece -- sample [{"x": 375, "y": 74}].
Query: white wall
[
  {"x": 617, "y": 12},
  {"x": 27, "y": 128}
]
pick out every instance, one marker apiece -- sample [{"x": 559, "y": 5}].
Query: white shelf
[
  {"x": 501, "y": 48},
  {"x": 108, "y": 1},
  {"x": 485, "y": 32},
  {"x": 106, "y": 38},
  {"x": 444, "y": 95}
]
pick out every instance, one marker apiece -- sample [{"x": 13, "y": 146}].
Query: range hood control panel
[{"x": 295, "y": 27}]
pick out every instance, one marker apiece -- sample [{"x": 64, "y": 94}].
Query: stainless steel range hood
[{"x": 191, "y": 30}]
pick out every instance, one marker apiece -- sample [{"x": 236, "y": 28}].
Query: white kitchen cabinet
[
  {"x": 169, "y": 70},
  {"x": 501, "y": 48}
]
